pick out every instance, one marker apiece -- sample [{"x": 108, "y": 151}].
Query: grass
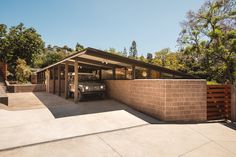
[{"x": 212, "y": 83}]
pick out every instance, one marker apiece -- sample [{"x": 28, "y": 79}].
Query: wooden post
[
  {"x": 149, "y": 74},
  {"x": 66, "y": 80},
  {"x": 100, "y": 74},
  {"x": 133, "y": 72},
  {"x": 47, "y": 80},
  {"x": 76, "y": 79},
  {"x": 114, "y": 73},
  {"x": 59, "y": 79},
  {"x": 54, "y": 80},
  {"x": 125, "y": 73}
]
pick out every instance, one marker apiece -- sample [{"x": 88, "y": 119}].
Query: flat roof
[{"x": 106, "y": 60}]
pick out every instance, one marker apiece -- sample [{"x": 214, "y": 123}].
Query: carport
[{"x": 106, "y": 66}]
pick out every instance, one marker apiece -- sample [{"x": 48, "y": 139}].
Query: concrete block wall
[{"x": 166, "y": 99}]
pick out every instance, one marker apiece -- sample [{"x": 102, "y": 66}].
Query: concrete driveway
[{"x": 48, "y": 125}]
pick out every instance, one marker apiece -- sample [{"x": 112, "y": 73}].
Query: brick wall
[
  {"x": 3, "y": 70},
  {"x": 169, "y": 100}
]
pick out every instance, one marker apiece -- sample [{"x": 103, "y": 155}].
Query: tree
[
  {"x": 22, "y": 71},
  {"x": 66, "y": 49},
  {"x": 168, "y": 59},
  {"x": 124, "y": 52},
  {"x": 149, "y": 57},
  {"x": 79, "y": 47},
  {"x": 19, "y": 42},
  {"x": 133, "y": 52},
  {"x": 48, "y": 57},
  {"x": 114, "y": 51},
  {"x": 142, "y": 58},
  {"x": 3, "y": 43},
  {"x": 208, "y": 40}
]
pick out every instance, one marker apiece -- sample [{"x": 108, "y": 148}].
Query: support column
[
  {"x": 47, "y": 80},
  {"x": 66, "y": 80},
  {"x": 125, "y": 73},
  {"x": 149, "y": 73},
  {"x": 133, "y": 72},
  {"x": 54, "y": 81},
  {"x": 100, "y": 74},
  {"x": 114, "y": 73},
  {"x": 59, "y": 79},
  {"x": 76, "y": 79}
]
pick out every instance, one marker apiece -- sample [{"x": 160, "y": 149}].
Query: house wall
[{"x": 169, "y": 99}]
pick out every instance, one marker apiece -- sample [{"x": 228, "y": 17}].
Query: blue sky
[{"x": 153, "y": 24}]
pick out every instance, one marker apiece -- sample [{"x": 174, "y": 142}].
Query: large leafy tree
[
  {"x": 168, "y": 59},
  {"x": 19, "y": 42},
  {"x": 208, "y": 40},
  {"x": 50, "y": 56}
]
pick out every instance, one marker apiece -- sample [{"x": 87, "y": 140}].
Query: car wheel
[
  {"x": 80, "y": 95},
  {"x": 103, "y": 95}
]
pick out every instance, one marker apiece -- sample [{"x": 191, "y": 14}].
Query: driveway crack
[{"x": 109, "y": 145}]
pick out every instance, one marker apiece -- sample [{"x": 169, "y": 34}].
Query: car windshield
[{"x": 85, "y": 77}]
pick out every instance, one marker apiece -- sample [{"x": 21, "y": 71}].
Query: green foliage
[
  {"x": 149, "y": 57},
  {"x": 79, "y": 47},
  {"x": 19, "y": 42},
  {"x": 208, "y": 39},
  {"x": 124, "y": 53},
  {"x": 142, "y": 58},
  {"x": 114, "y": 51},
  {"x": 22, "y": 71},
  {"x": 48, "y": 57},
  {"x": 168, "y": 59},
  {"x": 212, "y": 83},
  {"x": 133, "y": 52}
]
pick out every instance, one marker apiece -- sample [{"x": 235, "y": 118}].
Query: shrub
[{"x": 22, "y": 71}]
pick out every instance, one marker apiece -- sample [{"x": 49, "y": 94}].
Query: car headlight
[
  {"x": 86, "y": 87},
  {"x": 102, "y": 87}
]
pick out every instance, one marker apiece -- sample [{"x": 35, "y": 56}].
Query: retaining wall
[
  {"x": 16, "y": 88},
  {"x": 166, "y": 99}
]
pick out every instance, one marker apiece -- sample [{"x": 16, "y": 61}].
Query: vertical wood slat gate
[{"x": 218, "y": 102}]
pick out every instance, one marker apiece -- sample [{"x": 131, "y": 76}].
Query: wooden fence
[{"x": 218, "y": 102}]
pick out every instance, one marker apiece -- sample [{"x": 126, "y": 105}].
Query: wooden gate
[{"x": 218, "y": 102}]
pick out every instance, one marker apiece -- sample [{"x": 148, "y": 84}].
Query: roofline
[
  {"x": 63, "y": 60},
  {"x": 97, "y": 52},
  {"x": 141, "y": 63}
]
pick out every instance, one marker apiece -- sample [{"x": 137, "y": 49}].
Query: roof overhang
[{"x": 101, "y": 59}]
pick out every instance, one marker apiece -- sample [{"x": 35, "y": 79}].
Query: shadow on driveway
[{"x": 61, "y": 107}]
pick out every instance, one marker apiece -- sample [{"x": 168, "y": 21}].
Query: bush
[{"x": 22, "y": 71}]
